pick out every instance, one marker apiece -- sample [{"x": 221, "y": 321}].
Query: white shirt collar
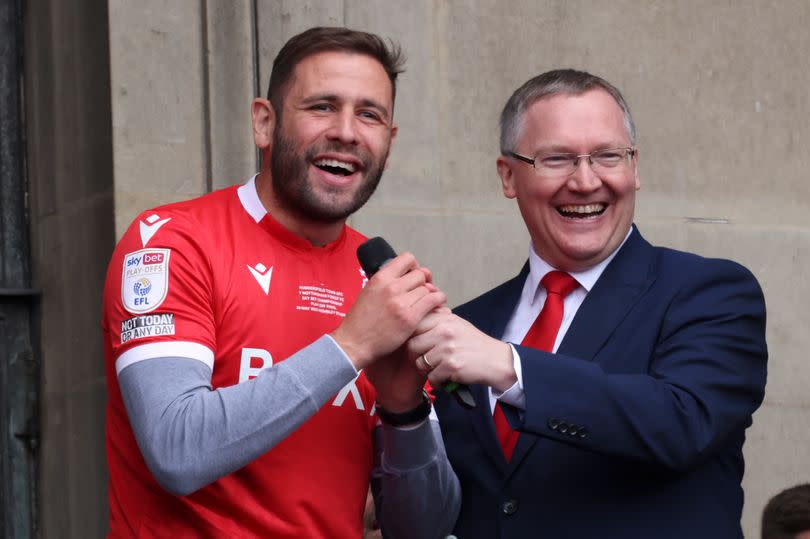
[
  {"x": 586, "y": 278},
  {"x": 249, "y": 197}
]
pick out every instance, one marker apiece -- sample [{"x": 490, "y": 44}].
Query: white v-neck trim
[{"x": 249, "y": 198}]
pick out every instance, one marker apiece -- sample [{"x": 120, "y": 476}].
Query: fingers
[
  {"x": 399, "y": 266},
  {"x": 412, "y": 307},
  {"x": 457, "y": 351},
  {"x": 411, "y": 289},
  {"x": 405, "y": 271},
  {"x": 438, "y": 369},
  {"x": 392, "y": 304},
  {"x": 430, "y": 321},
  {"x": 403, "y": 280},
  {"x": 451, "y": 349},
  {"x": 403, "y": 263},
  {"x": 435, "y": 328},
  {"x": 437, "y": 379},
  {"x": 425, "y": 302},
  {"x": 423, "y": 364}
]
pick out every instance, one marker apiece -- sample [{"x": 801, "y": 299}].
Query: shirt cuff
[
  {"x": 410, "y": 448},
  {"x": 514, "y": 395}
]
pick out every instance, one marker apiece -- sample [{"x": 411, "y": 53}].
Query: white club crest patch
[{"x": 145, "y": 279}]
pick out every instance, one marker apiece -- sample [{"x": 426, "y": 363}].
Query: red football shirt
[{"x": 217, "y": 279}]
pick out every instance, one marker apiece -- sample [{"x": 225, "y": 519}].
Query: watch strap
[{"x": 408, "y": 417}]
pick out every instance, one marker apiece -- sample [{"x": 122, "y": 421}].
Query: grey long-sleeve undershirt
[{"x": 191, "y": 435}]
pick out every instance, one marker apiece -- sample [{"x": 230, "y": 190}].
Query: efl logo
[
  {"x": 145, "y": 280},
  {"x": 153, "y": 258}
]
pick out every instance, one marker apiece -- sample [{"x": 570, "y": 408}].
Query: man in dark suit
[{"x": 628, "y": 372}]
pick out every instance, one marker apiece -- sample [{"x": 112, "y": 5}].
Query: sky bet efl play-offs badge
[{"x": 145, "y": 279}]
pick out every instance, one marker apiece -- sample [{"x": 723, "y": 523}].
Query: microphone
[{"x": 373, "y": 255}]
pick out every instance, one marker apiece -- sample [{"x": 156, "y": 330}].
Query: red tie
[{"x": 541, "y": 336}]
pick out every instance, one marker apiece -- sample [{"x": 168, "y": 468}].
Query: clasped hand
[
  {"x": 400, "y": 316},
  {"x": 382, "y": 318},
  {"x": 458, "y": 351}
]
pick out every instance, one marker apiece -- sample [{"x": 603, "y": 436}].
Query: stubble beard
[{"x": 291, "y": 186}]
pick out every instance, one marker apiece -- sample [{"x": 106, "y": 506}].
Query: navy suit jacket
[{"x": 635, "y": 427}]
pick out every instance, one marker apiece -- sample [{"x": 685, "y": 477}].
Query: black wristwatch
[{"x": 409, "y": 417}]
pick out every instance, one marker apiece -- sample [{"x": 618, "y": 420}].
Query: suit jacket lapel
[
  {"x": 491, "y": 314},
  {"x": 621, "y": 285},
  {"x": 493, "y": 310}
]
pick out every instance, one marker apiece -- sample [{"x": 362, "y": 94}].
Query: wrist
[
  {"x": 400, "y": 404},
  {"x": 353, "y": 352},
  {"x": 415, "y": 412},
  {"x": 507, "y": 375}
]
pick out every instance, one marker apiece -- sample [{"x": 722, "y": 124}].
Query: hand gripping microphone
[{"x": 373, "y": 255}]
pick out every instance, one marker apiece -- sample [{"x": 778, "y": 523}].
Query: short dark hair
[
  {"x": 787, "y": 514},
  {"x": 558, "y": 81},
  {"x": 330, "y": 39}
]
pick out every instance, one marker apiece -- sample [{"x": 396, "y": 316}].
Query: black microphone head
[{"x": 373, "y": 254}]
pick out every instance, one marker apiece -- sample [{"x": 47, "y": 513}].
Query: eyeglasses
[{"x": 559, "y": 165}]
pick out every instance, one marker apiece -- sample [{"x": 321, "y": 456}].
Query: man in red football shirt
[{"x": 248, "y": 357}]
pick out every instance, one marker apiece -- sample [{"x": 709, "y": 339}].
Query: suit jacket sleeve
[{"x": 681, "y": 373}]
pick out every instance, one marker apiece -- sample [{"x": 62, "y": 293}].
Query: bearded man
[{"x": 249, "y": 360}]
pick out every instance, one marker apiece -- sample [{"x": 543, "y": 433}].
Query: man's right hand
[
  {"x": 387, "y": 311},
  {"x": 462, "y": 353}
]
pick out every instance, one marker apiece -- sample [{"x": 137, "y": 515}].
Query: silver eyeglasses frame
[{"x": 569, "y": 162}]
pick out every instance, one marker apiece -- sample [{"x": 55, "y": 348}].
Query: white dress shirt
[{"x": 528, "y": 308}]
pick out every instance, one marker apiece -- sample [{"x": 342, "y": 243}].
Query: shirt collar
[
  {"x": 252, "y": 204},
  {"x": 586, "y": 278},
  {"x": 249, "y": 197}
]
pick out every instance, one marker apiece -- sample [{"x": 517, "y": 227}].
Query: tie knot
[{"x": 559, "y": 282}]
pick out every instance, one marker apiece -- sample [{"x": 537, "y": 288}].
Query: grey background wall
[{"x": 718, "y": 90}]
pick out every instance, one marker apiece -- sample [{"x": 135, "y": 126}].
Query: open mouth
[
  {"x": 584, "y": 211},
  {"x": 338, "y": 168}
]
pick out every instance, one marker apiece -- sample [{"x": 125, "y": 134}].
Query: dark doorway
[{"x": 19, "y": 372}]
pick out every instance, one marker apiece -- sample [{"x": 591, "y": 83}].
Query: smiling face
[
  {"x": 577, "y": 221},
  {"x": 329, "y": 144}
]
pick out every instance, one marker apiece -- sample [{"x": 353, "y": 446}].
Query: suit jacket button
[
  {"x": 573, "y": 430},
  {"x": 509, "y": 507},
  {"x": 583, "y": 432},
  {"x": 563, "y": 427},
  {"x": 553, "y": 423}
]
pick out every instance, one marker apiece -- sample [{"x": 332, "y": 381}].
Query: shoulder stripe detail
[
  {"x": 187, "y": 349},
  {"x": 249, "y": 198}
]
